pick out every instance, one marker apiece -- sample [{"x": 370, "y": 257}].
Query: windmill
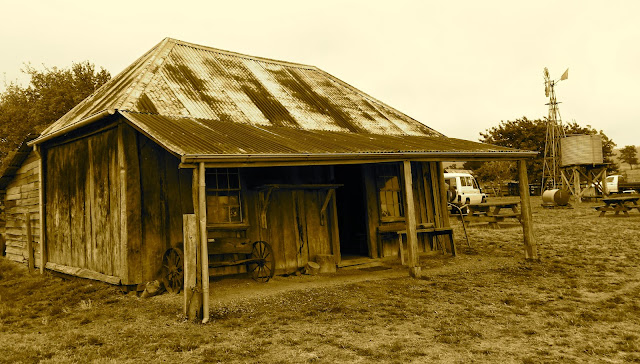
[{"x": 551, "y": 177}]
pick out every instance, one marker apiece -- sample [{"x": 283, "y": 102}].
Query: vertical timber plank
[
  {"x": 132, "y": 205},
  {"x": 410, "y": 221},
  {"x": 113, "y": 218},
  {"x": 435, "y": 194},
  {"x": 530, "y": 248},
  {"x": 123, "y": 271},
  {"x": 281, "y": 220},
  {"x": 373, "y": 218},
  {"x": 42, "y": 211},
  {"x": 27, "y": 221},
  {"x": 442, "y": 197}
]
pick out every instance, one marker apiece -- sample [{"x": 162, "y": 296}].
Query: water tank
[
  {"x": 555, "y": 197},
  {"x": 581, "y": 149}
]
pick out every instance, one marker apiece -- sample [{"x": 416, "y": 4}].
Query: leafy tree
[
  {"x": 50, "y": 93},
  {"x": 496, "y": 172},
  {"x": 530, "y": 134},
  {"x": 629, "y": 155}
]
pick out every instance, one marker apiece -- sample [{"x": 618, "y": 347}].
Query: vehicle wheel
[
  {"x": 173, "y": 270},
  {"x": 451, "y": 194},
  {"x": 265, "y": 265}
]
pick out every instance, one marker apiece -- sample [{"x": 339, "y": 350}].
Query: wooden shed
[{"x": 254, "y": 148}]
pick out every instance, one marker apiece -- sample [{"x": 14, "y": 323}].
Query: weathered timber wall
[
  {"x": 2, "y": 222},
  {"x": 165, "y": 195},
  {"x": 387, "y": 244},
  {"x": 22, "y": 197},
  {"x": 82, "y": 204},
  {"x": 293, "y": 225}
]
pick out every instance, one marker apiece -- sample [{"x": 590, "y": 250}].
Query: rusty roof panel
[
  {"x": 180, "y": 79},
  {"x": 206, "y": 137}
]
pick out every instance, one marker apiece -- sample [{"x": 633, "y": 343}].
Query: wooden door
[{"x": 294, "y": 227}]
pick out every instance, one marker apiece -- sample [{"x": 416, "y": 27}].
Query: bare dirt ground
[{"x": 580, "y": 303}]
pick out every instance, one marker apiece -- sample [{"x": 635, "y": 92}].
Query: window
[
  {"x": 223, "y": 196},
  {"x": 388, "y": 181}
]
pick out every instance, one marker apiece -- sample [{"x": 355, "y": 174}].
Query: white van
[{"x": 463, "y": 189}]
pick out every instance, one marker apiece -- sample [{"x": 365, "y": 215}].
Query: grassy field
[{"x": 580, "y": 303}]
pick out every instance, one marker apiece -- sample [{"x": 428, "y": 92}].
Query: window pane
[
  {"x": 234, "y": 181},
  {"x": 384, "y": 212},
  {"x": 234, "y": 214},
  {"x": 223, "y": 196}
]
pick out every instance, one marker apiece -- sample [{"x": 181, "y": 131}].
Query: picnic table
[
  {"x": 619, "y": 204},
  {"x": 493, "y": 212}
]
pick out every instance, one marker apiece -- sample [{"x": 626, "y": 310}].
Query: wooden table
[
  {"x": 492, "y": 212},
  {"x": 619, "y": 204}
]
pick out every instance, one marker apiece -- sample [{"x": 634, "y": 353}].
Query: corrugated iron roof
[
  {"x": 201, "y": 101},
  {"x": 201, "y": 137},
  {"x": 181, "y": 79}
]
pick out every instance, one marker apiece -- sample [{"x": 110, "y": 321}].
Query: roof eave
[
  {"x": 86, "y": 121},
  {"x": 320, "y": 158}
]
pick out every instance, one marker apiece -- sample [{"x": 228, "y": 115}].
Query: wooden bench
[
  {"x": 425, "y": 228},
  {"x": 490, "y": 212},
  {"x": 619, "y": 204}
]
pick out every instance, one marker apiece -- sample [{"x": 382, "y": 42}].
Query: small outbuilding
[{"x": 256, "y": 149}]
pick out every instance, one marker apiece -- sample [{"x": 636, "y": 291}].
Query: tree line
[
  {"x": 524, "y": 133},
  {"x": 50, "y": 93}
]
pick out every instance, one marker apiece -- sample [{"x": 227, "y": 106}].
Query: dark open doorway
[{"x": 352, "y": 211}]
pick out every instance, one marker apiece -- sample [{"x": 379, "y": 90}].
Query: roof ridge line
[
  {"x": 107, "y": 84},
  {"x": 241, "y": 55},
  {"x": 164, "y": 47}
]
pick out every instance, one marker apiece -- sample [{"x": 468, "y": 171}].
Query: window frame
[
  {"x": 381, "y": 171},
  {"x": 212, "y": 191}
]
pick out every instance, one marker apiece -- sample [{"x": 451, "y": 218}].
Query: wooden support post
[
  {"x": 410, "y": 221},
  {"x": 603, "y": 179},
  {"x": 195, "y": 180},
  {"x": 445, "y": 208},
  {"x": 323, "y": 210},
  {"x": 373, "y": 215},
  {"x": 192, "y": 298},
  {"x": 202, "y": 215},
  {"x": 576, "y": 185},
  {"x": 334, "y": 231},
  {"x": 530, "y": 248},
  {"x": 27, "y": 221},
  {"x": 41, "y": 201}
]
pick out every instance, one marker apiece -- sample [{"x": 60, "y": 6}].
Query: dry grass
[{"x": 579, "y": 304}]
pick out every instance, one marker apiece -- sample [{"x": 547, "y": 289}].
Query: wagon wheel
[
  {"x": 172, "y": 270},
  {"x": 264, "y": 266}
]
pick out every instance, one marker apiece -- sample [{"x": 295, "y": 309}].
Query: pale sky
[{"x": 459, "y": 67}]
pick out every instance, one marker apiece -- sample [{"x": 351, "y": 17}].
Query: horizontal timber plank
[
  {"x": 15, "y": 257},
  {"x": 82, "y": 273}
]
